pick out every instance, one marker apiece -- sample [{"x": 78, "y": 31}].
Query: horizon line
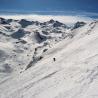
[{"x": 55, "y": 12}]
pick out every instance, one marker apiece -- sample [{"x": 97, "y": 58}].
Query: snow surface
[{"x": 28, "y": 69}]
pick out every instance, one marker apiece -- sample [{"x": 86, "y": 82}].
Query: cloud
[
  {"x": 89, "y": 14},
  {"x": 68, "y": 19}
]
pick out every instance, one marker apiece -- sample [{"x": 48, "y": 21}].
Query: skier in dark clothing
[{"x": 54, "y": 59}]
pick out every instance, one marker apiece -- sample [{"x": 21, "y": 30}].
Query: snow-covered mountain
[{"x": 48, "y": 59}]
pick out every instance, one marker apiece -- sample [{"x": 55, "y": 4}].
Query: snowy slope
[{"x": 28, "y": 69}]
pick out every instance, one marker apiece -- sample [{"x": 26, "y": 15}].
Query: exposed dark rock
[
  {"x": 45, "y": 50},
  {"x": 7, "y": 27},
  {"x": 3, "y": 21},
  {"x": 40, "y": 38},
  {"x": 9, "y": 20},
  {"x": 24, "y": 23},
  {"x": 78, "y": 24},
  {"x": 45, "y": 32},
  {"x": 36, "y": 23},
  {"x": 57, "y": 24},
  {"x": 29, "y": 65},
  {"x": 51, "y": 21},
  {"x": 19, "y": 34},
  {"x": 23, "y": 41},
  {"x": 35, "y": 60}
]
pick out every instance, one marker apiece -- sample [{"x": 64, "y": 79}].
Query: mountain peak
[
  {"x": 51, "y": 21},
  {"x": 78, "y": 24}
]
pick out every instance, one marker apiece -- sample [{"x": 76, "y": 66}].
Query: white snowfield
[{"x": 48, "y": 60}]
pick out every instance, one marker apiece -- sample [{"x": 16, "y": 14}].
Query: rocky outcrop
[
  {"x": 24, "y": 23},
  {"x": 78, "y": 24}
]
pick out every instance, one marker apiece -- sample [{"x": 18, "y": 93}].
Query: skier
[{"x": 54, "y": 59}]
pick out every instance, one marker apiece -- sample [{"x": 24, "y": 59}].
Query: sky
[{"x": 49, "y": 5}]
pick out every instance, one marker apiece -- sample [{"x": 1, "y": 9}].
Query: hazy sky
[{"x": 49, "y": 5}]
